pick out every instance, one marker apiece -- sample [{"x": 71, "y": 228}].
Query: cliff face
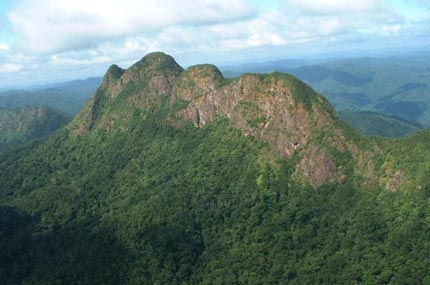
[
  {"x": 278, "y": 109},
  {"x": 261, "y": 106},
  {"x": 267, "y": 108}
]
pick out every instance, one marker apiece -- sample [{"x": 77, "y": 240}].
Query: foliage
[
  {"x": 163, "y": 205},
  {"x": 140, "y": 196}
]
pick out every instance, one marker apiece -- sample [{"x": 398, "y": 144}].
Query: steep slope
[
  {"x": 276, "y": 108},
  {"x": 182, "y": 177},
  {"x": 18, "y": 126}
]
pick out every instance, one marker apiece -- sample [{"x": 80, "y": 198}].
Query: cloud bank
[{"x": 84, "y": 35}]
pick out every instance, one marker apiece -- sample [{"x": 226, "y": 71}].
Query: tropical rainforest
[{"x": 172, "y": 176}]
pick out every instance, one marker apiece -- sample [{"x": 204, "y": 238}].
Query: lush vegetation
[
  {"x": 18, "y": 126},
  {"x": 179, "y": 205},
  {"x": 130, "y": 192}
]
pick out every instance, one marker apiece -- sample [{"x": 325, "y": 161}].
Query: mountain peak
[
  {"x": 275, "y": 108},
  {"x": 197, "y": 80},
  {"x": 205, "y": 70},
  {"x": 155, "y": 62},
  {"x": 113, "y": 73}
]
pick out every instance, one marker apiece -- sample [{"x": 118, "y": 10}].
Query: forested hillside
[{"x": 183, "y": 177}]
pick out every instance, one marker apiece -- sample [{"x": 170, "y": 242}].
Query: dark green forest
[
  {"x": 157, "y": 200},
  {"x": 163, "y": 205}
]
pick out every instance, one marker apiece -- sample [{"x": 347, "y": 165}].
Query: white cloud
[
  {"x": 10, "y": 68},
  {"x": 59, "y": 25},
  {"x": 320, "y": 7},
  {"x": 64, "y": 60},
  {"x": 63, "y": 36},
  {"x": 390, "y": 29}
]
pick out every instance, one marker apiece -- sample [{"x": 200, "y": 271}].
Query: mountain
[
  {"x": 172, "y": 176},
  {"x": 68, "y": 97},
  {"x": 18, "y": 126},
  {"x": 376, "y": 124},
  {"x": 396, "y": 85}
]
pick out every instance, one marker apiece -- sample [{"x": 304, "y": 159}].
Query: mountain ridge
[
  {"x": 275, "y": 108},
  {"x": 138, "y": 189}
]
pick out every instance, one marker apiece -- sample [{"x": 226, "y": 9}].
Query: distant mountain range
[
  {"x": 376, "y": 124},
  {"x": 68, "y": 97}
]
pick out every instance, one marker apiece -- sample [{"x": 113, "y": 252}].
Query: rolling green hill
[
  {"x": 172, "y": 176},
  {"x": 18, "y": 126}
]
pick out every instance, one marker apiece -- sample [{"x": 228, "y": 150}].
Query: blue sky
[{"x": 45, "y": 41}]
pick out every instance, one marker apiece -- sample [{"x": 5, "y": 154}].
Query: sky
[{"x": 43, "y": 41}]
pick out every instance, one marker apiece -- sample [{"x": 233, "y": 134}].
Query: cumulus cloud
[
  {"x": 340, "y": 21},
  {"x": 59, "y": 25},
  {"x": 57, "y": 36}
]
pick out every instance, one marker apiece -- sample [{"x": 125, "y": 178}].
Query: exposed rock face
[
  {"x": 275, "y": 108},
  {"x": 197, "y": 81},
  {"x": 140, "y": 86},
  {"x": 112, "y": 75},
  {"x": 158, "y": 70},
  {"x": 265, "y": 107},
  {"x": 261, "y": 107},
  {"x": 317, "y": 167}
]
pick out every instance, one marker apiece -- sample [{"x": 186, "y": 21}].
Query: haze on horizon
[{"x": 44, "y": 41}]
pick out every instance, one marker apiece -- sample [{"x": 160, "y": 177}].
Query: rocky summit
[{"x": 276, "y": 108}]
